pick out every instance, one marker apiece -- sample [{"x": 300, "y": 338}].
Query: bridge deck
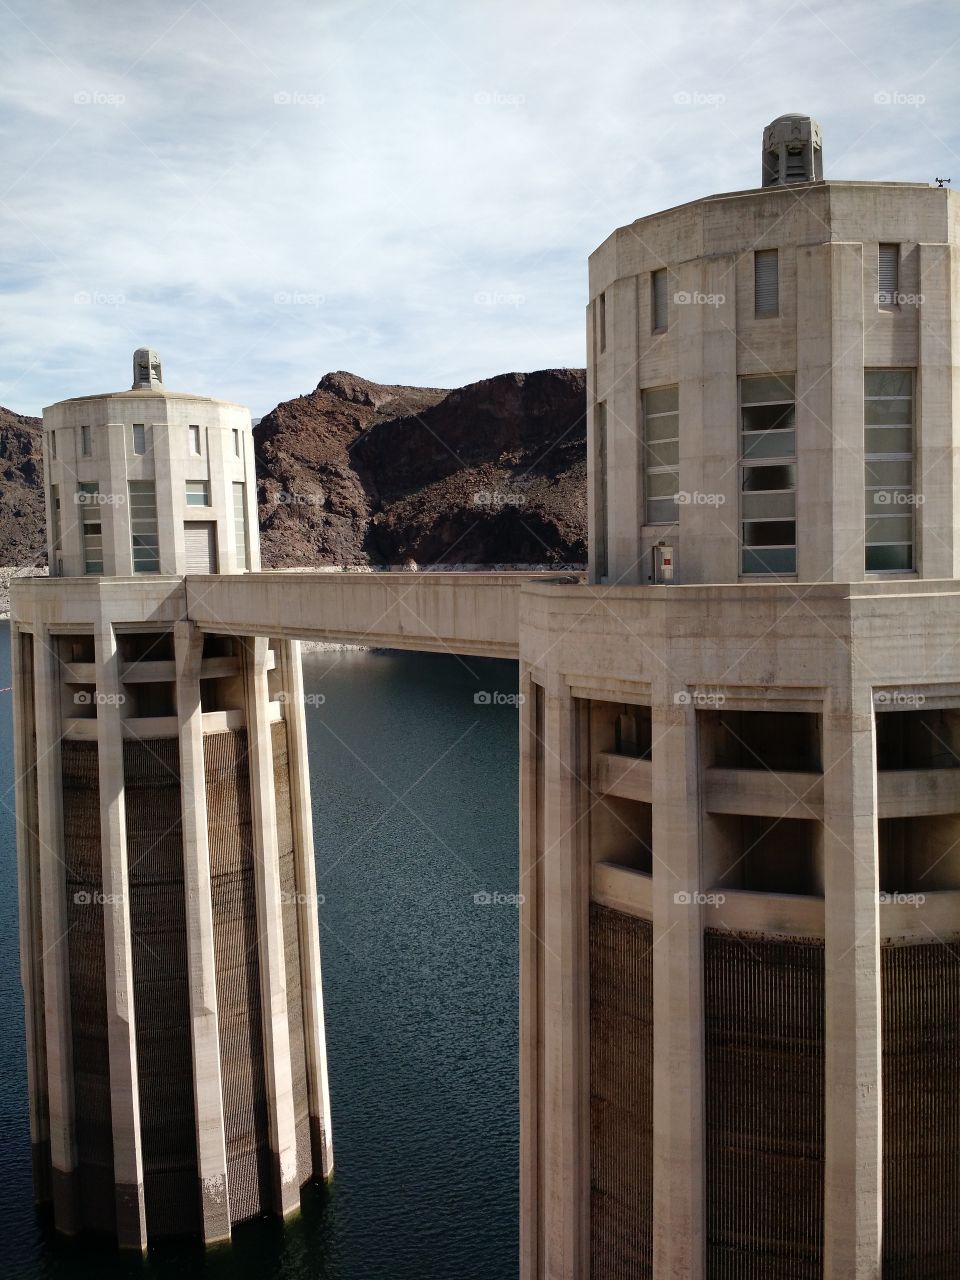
[{"x": 467, "y": 613}]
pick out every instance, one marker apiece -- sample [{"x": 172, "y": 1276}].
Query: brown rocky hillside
[
  {"x": 490, "y": 473},
  {"x": 22, "y": 536}
]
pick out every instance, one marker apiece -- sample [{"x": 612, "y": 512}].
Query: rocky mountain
[
  {"x": 491, "y": 473},
  {"x": 359, "y": 473},
  {"x": 22, "y": 519}
]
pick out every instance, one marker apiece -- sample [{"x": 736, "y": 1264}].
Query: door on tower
[{"x": 200, "y": 546}]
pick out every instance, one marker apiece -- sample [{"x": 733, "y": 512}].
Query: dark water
[{"x": 414, "y": 802}]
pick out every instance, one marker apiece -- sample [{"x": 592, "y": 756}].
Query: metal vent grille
[
  {"x": 888, "y": 274},
  {"x": 151, "y": 774},
  {"x": 764, "y": 1038},
  {"x": 621, "y": 1096},
  {"x": 659, "y": 287},
  {"x": 88, "y": 989},
  {"x": 920, "y": 988},
  {"x": 766, "y": 282}
]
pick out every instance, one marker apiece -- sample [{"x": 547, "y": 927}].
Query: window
[
  {"x": 600, "y": 488},
  {"x": 55, "y": 514},
  {"x": 198, "y": 493},
  {"x": 602, "y": 322},
  {"x": 86, "y": 442},
  {"x": 143, "y": 527},
  {"x": 53, "y": 445},
  {"x": 240, "y": 524},
  {"x": 661, "y": 454},
  {"x": 658, "y": 291},
  {"x": 766, "y": 282},
  {"x": 236, "y": 441},
  {"x": 768, "y": 474},
  {"x": 888, "y": 470},
  {"x": 88, "y": 499},
  {"x": 139, "y": 438},
  {"x": 888, "y": 275},
  {"x": 194, "y": 439}
]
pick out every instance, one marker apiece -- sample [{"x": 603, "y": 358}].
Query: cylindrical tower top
[
  {"x": 146, "y": 369},
  {"x": 792, "y": 151},
  {"x": 149, "y": 481}
]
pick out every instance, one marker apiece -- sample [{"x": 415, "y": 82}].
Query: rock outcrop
[
  {"x": 491, "y": 473},
  {"x": 22, "y": 518}
]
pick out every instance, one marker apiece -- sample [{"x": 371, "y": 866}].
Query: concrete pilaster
[
  {"x": 118, "y": 943},
  {"x": 273, "y": 982},
  {"x": 168, "y": 473},
  {"x": 318, "y": 1085},
  {"x": 709, "y": 432},
  {"x": 593, "y": 526},
  {"x": 565, "y": 1145},
  {"x": 937, "y": 395},
  {"x": 53, "y": 912},
  {"x": 678, "y": 1073},
  {"x": 624, "y": 450},
  {"x": 815, "y": 429},
  {"x": 250, "y": 491},
  {"x": 28, "y": 853},
  {"x": 531, "y": 967},
  {"x": 852, "y": 1199},
  {"x": 846, "y": 424},
  {"x": 65, "y": 476},
  {"x": 111, "y": 445},
  {"x": 204, "y": 1020}
]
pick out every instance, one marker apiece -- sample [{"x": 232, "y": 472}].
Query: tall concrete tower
[
  {"x": 169, "y": 925},
  {"x": 741, "y": 753}
]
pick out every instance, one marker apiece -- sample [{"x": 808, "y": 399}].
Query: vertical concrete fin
[
  {"x": 678, "y": 1080},
  {"x": 124, "y": 1085},
  {"x": 853, "y": 1152},
  {"x": 28, "y": 886},
  {"x": 318, "y": 1084},
  {"x": 566, "y": 1201},
  {"x": 531, "y": 968},
  {"x": 204, "y": 1018},
  {"x": 273, "y": 982},
  {"x": 55, "y": 962}
]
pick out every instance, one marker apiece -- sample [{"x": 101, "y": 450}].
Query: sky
[{"x": 266, "y": 190}]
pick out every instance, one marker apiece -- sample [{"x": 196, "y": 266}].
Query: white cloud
[{"x": 423, "y": 180}]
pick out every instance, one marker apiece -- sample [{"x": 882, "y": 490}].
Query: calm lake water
[{"x": 415, "y": 811}]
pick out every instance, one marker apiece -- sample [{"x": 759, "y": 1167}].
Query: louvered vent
[
  {"x": 766, "y": 282},
  {"x": 659, "y": 290},
  {"x": 888, "y": 275},
  {"x": 797, "y": 167}
]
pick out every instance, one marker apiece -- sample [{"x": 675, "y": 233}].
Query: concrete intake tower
[{"x": 169, "y": 932}]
